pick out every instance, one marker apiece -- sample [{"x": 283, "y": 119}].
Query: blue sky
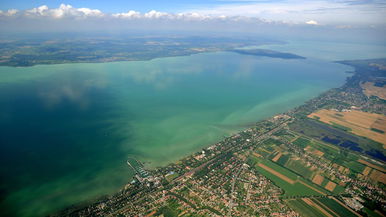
[
  {"x": 114, "y": 6},
  {"x": 334, "y": 13}
]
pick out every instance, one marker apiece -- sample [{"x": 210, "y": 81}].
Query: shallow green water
[{"x": 66, "y": 130}]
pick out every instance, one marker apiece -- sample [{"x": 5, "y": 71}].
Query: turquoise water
[{"x": 66, "y": 130}]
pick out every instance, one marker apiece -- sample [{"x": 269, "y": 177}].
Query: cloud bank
[
  {"x": 251, "y": 17},
  {"x": 68, "y": 12},
  {"x": 322, "y": 12},
  {"x": 330, "y": 12},
  {"x": 67, "y": 17}
]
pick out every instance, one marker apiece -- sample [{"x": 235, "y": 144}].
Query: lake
[{"x": 67, "y": 130}]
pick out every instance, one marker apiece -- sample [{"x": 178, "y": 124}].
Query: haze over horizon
[{"x": 313, "y": 18}]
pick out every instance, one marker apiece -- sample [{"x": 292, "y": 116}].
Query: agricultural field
[
  {"x": 318, "y": 179},
  {"x": 271, "y": 142},
  {"x": 302, "y": 142},
  {"x": 334, "y": 207},
  {"x": 369, "y": 89},
  {"x": 314, "y": 151},
  {"x": 304, "y": 208},
  {"x": 291, "y": 183},
  {"x": 287, "y": 162},
  {"x": 286, "y": 135},
  {"x": 380, "y": 168},
  {"x": 330, "y": 186},
  {"x": 283, "y": 159},
  {"x": 370, "y": 125},
  {"x": 327, "y": 184},
  {"x": 277, "y": 157},
  {"x": 326, "y": 148},
  {"x": 378, "y": 176},
  {"x": 354, "y": 166},
  {"x": 298, "y": 178},
  {"x": 298, "y": 166},
  {"x": 315, "y": 148},
  {"x": 366, "y": 171},
  {"x": 372, "y": 213},
  {"x": 372, "y": 171},
  {"x": 332, "y": 138},
  {"x": 262, "y": 152}
]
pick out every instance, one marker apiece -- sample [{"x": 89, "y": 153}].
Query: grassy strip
[
  {"x": 347, "y": 129},
  {"x": 336, "y": 207},
  {"x": 304, "y": 209},
  {"x": 377, "y": 130}
]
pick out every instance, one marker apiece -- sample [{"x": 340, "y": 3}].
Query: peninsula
[
  {"x": 267, "y": 53},
  {"x": 52, "y": 49}
]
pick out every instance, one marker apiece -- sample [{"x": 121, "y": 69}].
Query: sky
[{"x": 237, "y": 14}]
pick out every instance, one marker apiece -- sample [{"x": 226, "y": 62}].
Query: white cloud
[
  {"x": 66, "y": 11},
  {"x": 91, "y": 12},
  {"x": 286, "y": 11},
  {"x": 312, "y": 22},
  {"x": 155, "y": 14},
  {"x": 129, "y": 14},
  {"x": 8, "y": 13},
  {"x": 192, "y": 16},
  {"x": 244, "y": 15},
  {"x": 63, "y": 11},
  {"x": 296, "y": 11},
  {"x": 39, "y": 11}
]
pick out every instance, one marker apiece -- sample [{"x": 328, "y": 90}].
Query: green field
[
  {"x": 296, "y": 189},
  {"x": 354, "y": 165},
  {"x": 333, "y": 208},
  {"x": 302, "y": 142},
  {"x": 285, "y": 134},
  {"x": 341, "y": 127},
  {"x": 371, "y": 213},
  {"x": 325, "y": 181},
  {"x": 336, "y": 207},
  {"x": 271, "y": 141},
  {"x": 170, "y": 177},
  {"x": 338, "y": 189},
  {"x": 279, "y": 169},
  {"x": 298, "y": 167},
  {"x": 304, "y": 209},
  {"x": 262, "y": 152},
  {"x": 327, "y": 149},
  {"x": 283, "y": 159}
]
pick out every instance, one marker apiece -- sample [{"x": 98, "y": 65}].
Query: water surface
[{"x": 66, "y": 130}]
